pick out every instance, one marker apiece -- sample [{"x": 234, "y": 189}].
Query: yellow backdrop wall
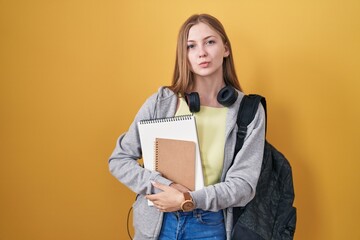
[{"x": 73, "y": 74}]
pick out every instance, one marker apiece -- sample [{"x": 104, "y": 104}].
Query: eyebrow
[{"x": 203, "y": 39}]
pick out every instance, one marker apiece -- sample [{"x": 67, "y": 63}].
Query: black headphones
[{"x": 226, "y": 97}]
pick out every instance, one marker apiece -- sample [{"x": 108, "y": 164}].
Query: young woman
[{"x": 204, "y": 65}]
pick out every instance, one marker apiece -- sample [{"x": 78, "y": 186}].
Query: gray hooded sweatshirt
[{"x": 238, "y": 182}]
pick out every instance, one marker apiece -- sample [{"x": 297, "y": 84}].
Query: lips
[{"x": 204, "y": 64}]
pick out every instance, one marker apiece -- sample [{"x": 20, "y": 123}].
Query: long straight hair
[{"x": 183, "y": 78}]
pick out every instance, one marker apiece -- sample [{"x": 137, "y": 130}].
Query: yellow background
[{"x": 74, "y": 73}]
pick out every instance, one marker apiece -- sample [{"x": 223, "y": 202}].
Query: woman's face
[{"x": 206, "y": 51}]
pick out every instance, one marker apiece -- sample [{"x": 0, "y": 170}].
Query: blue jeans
[{"x": 197, "y": 224}]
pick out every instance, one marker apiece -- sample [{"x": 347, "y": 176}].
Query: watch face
[{"x": 188, "y": 205}]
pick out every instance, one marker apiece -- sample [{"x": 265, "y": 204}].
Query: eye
[
  {"x": 190, "y": 46},
  {"x": 210, "y": 42}
]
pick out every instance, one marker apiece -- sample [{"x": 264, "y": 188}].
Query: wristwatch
[{"x": 188, "y": 204}]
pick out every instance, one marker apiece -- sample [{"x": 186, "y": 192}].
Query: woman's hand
[{"x": 169, "y": 200}]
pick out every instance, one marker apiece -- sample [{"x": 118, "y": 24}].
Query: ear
[{"x": 227, "y": 51}]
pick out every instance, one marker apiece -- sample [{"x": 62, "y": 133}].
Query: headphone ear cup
[
  {"x": 227, "y": 96},
  {"x": 193, "y": 101}
]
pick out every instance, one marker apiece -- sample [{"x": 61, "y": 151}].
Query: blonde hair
[{"x": 183, "y": 78}]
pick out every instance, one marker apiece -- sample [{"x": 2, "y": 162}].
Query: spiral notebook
[
  {"x": 175, "y": 160},
  {"x": 177, "y": 128}
]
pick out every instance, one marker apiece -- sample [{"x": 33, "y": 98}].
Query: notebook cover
[{"x": 175, "y": 160}]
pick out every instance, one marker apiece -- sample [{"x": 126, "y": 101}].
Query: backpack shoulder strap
[{"x": 247, "y": 110}]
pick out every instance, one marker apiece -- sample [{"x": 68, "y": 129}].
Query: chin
[{"x": 204, "y": 72}]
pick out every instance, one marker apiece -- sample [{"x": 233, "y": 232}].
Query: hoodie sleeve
[{"x": 123, "y": 162}]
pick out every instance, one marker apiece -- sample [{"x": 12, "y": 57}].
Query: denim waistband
[{"x": 194, "y": 212}]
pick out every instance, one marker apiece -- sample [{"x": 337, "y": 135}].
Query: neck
[{"x": 208, "y": 89}]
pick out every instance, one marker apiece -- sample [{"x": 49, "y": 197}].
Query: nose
[{"x": 202, "y": 52}]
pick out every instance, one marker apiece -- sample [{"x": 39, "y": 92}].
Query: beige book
[{"x": 175, "y": 160}]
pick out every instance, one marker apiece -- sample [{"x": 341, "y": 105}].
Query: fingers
[
  {"x": 157, "y": 202},
  {"x": 161, "y": 208},
  {"x": 168, "y": 200},
  {"x": 152, "y": 197},
  {"x": 159, "y": 185}
]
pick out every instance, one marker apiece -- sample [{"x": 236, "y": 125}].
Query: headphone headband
[{"x": 226, "y": 97}]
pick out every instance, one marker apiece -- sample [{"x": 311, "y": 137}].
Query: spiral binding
[
  {"x": 156, "y": 152},
  {"x": 169, "y": 119}
]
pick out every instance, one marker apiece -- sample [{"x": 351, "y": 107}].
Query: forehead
[{"x": 201, "y": 31}]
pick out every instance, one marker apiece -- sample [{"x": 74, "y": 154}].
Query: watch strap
[{"x": 187, "y": 196}]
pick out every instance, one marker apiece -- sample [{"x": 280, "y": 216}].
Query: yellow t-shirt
[{"x": 210, "y": 124}]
